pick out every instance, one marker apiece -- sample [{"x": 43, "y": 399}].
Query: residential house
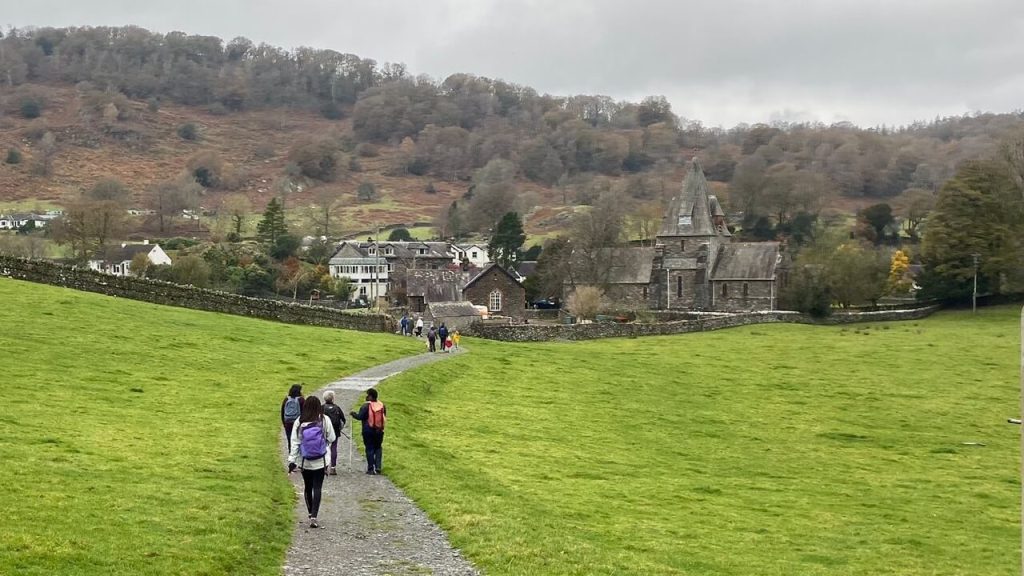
[
  {"x": 379, "y": 268},
  {"x": 470, "y": 255},
  {"x": 18, "y": 220},
  {"x": 118, "y": 261},
  {"x": 497, "y": 289}
]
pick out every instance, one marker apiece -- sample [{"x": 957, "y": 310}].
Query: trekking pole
[{"x": 351, "y": 434}]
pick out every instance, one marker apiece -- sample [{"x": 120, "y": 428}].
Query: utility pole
[{"x": 974, "y": 297}]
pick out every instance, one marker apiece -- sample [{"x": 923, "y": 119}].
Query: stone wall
[
  {"x": 158, "y": 292},
  {"x": 537, "y": 333}
]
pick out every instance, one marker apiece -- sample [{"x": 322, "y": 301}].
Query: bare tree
[{"x": 585, "y": 302}]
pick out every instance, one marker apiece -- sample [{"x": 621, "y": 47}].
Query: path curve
[{"x": 367, "y": 525}]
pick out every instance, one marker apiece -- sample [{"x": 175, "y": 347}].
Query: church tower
[{"x": 691, "y": 236}]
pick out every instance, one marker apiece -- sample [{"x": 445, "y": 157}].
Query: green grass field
[
  {"x": 139, "y": 439},
  {"x": 770, "y": 450}
]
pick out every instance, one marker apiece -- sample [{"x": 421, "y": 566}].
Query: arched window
[
  {"x": 494, "y": 301},
  {"x": 679, "y": 286},
  {"x": 725, "y": 290}
]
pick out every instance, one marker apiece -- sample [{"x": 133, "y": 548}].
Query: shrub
[
  {"x": 13, "y": 156},
  {"x": 264, "y": 151},
  {"x": 207, "y": 168},
  {"x": 316, "y": 159},
  {"x": 399, "y": 235},
  {"x": 430, "y": 189},
  {"x": 31, "y": 108},
  {"x": 188, "y": 131},
  {"x": 153, "y": 104},
  {"x": 354, "y": 165},
  {"x": 366, "y": 192}
]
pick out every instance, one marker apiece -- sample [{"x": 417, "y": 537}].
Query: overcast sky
[{"x": 718, "y": 61}]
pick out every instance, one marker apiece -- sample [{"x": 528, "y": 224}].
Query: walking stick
[{"x": 351, "y": 434}]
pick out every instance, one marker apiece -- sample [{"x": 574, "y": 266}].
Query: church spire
[{"x": 690, "y": 213}]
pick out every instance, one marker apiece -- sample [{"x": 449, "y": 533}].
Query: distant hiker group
[
  {"x": 439, "y": 339},
  {"x": 312, "y": 429}
]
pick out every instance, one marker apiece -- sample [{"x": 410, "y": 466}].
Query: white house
[
  {"x": 119, "y": 261},
  {"x": 473, "y": 255},
  {"x": 16, "y": 221},
  {"x": 365, "y": 266}
]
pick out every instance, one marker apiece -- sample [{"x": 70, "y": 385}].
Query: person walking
[
  {"x": 442, "y": 335},
  {"x": 419, "y": 326},
  {"x": 373, "y": 415},
  {"x": 311, "y": 436},
  {"x": 404, "y": 323},
  {"x": 336, "y": 415},
  {"x": 431, "y": 337},
  {"x": 455, "y": 339},
  {"x": 291, "y": 409}
]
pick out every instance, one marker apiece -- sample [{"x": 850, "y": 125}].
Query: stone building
[
  {"x": 694, "y": 264},
  {"x": 497, "y": 289}
]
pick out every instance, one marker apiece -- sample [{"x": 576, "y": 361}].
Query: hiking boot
[
  {"x": 312, "y": 522},
  {"x": 334, "y": 471},
  {"x": 371, "y": 472}
]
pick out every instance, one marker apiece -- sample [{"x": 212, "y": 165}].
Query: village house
[
  {"x": 694, "y": 264},
  {"x": 498, "y": 290},
  {"x": 378, "y": 269},
  {"x": 425, "y": 286},
  {"x": 118, "y": 261},
  {"x": 470, "y": 255},
  {"x": 17, "y": 221}
]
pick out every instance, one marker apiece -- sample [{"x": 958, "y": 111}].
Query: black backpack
[{"x": 337, "y": 417}]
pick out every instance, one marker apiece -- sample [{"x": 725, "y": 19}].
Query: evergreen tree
[
  {"x": 272, "y": 226},
  {"x": 507, "y": 240}
]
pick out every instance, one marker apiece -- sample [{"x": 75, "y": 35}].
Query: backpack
[
  {"x": 337, "y": 417},
  {"x": 375, "y": 417},
  {"x": 312, "y": 443},
  {"x": 292, "y": 409}
]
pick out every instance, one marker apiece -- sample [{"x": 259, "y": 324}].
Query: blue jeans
[{"x": 372, "y": 442}]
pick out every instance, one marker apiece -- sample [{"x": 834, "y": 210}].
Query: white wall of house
[
  {"x": 474, "y": 254},
  {"x": 367, "y": 283}
]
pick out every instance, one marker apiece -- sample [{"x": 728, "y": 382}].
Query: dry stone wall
[
  {"x": 538, "y": 333},
  {"x": 169, "y": 294}
]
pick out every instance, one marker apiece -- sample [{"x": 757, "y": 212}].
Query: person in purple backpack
[{"x": 311, "y": 436}]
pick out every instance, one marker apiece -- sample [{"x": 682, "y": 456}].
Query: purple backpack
[{"x": 312, "y": 443}]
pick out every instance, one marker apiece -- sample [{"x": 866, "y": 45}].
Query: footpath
[{"x": 367, "y": 525}]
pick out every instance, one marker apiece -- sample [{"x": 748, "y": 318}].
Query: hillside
[{"x": 115, "y": 100}]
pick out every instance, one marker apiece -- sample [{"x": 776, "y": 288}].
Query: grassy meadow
[
  {"x": 140, "y": 439},
  {"x": 769, "y": 450}
]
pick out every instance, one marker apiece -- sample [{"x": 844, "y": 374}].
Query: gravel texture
[{"x": 367, "y": 525}]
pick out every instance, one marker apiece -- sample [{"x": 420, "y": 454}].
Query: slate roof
[
  {"x": 746, "y": 261},
  {"x": 526, "y": 268},
  {"x": 485, "y": 270},
  {"x": 451, "y": 309},
  {"x": 435, "y": 285},
  {"x": 126, "y": 253},
  {"x": 690, "y": 213},
  {"x": 400, "y": 250},
  {"x": 628, "y": 265}
]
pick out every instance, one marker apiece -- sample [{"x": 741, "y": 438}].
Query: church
[{"x": 694, "y": 265}]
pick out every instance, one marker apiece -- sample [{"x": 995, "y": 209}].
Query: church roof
[
  {"x": 690, "y": 213},
  {"x": 746, "y": 261}
]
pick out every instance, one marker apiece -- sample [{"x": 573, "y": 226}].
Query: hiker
[
  {"x": 373, "y": 415},
  {"x": 455, "y": 339},
  {"x": 291, "y": 409},
  {"x": 447, "y": 346},
  {"x": 336, "y": 415},
  {"x": 310, "y": 438},
  {"x": 419, "y": 326},
  {"x": 442, "y": 334},
  {"x": 404, "y": 323},
  {"x": 431, "y": 337}
]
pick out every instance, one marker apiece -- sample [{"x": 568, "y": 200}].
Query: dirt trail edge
[{"x": 367, "y": 525}]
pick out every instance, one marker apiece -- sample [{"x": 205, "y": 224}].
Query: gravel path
[{"x": 367, "y": 525}]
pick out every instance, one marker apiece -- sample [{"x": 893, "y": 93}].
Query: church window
[
  {"x": 645, "y": 292},
  {"x": 494, "y": 302},
  {"x": 679, "y": 286},
  {"x": 682, "y": 244},
  {"x": 725, "y": 290},
  {"x": 746, "y": 290}
]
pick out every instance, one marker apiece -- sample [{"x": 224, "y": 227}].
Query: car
[{"x": 546, "y": 304}]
